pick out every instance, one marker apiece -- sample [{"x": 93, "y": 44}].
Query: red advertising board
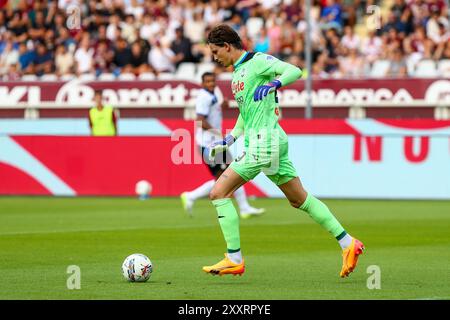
[{"x": 151, "y": 94}]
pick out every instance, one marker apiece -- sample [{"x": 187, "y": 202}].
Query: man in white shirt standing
[{"x": 209, "y": 117}]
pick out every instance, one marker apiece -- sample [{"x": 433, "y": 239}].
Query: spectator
[
  {"x": 351, "y": 65},
  {"x": 254, "y": 23},
  {"x": 371, "y": 47},
  {"x": 128, "y": 27},
  {"x": 113, "y": 28},
  {"x": 420, "y": 11},
  {"x": 26, "y": 59},
  {"x": 293, "y": 10},
  {"x": 64, "y": 61},
  {"x": 149, "y": 27},
  {"x": 43, "y": 60},
  {"x": 84, "y": 57},
  {"x": 162, "y": 58},
  {"x": 102, "y": 118},
  {"x": 138, "y": 60},
  {"x": 103, "y": 58},
  {"x": 182, "y": 48},
  {"x": 135, "y": 9},
  {"x": 262, "y": 43},
  {"x": 437, "y": 6},
  {"x": 9, "y": 56},
  {"x": 195, "y": 28},
  {"x": 288, "y": 33},
  {"x": 13, "y": 73},
  {"x": 38, "y": 26},
  {"x": 418, "y": 46},
  {"x": 398, "y": 8},
  {"x": 397, "y": 66},
  {"x": 274, "y": 32},
  {"x": 331, "y": 16},
  {"x": 58, "y": 23},
  {"x": 66, "y": 40},
  {"x": 441, "y": 41},
  {"x": 17, "y": 25},
  {"x": 405, "y": 24},
  {"x": 101, "y": 37},
  {"x": 247, "y": 42},
  {"x": 213, "y": 14},
  {"x": 350, "y": 40},
  {"x": 236, "y": 22},
  {"x": 316, "y": 33},
  {"x": 122, "y": 56}
]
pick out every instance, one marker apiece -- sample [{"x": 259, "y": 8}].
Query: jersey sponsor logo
[
  {"x": 240, "y": 102},
  {"x": 237, "y": 87},
  {"x": 240, "y": 157}
]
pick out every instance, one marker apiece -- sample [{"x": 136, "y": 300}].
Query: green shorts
[{"x": 275, "y": 165}]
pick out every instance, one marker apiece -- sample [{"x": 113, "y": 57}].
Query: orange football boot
[
  {"x": 225, "y": 266},
  {"x": 350, "y": 257}
]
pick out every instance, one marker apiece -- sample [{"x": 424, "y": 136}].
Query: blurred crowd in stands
[{"x": 74, "y": 37}]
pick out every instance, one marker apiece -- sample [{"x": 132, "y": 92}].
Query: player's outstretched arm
[{"x": 286, "y": 73}]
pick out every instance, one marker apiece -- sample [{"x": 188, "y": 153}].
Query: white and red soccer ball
[{"x": 137, "y": 268}]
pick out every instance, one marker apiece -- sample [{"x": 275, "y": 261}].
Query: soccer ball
[
  {"x": 143, "y": 189},
  {"x": 137, "y": 268}
]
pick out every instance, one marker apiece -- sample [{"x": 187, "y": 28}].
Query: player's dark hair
[
  {"x": 98, "y": 92},
  {"x": 222, "y": 34},
  {"x": 207, "y": 74}
]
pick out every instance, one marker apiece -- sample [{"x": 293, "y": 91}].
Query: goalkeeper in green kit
[{"x": 256, "y": 77}]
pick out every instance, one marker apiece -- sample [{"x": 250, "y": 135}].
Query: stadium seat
[
  {"x": 426, "y": 69},
  {"x": 49, "y": 77},
  {"x": 444, "y": 68},
  {"x": 67, "y": 77},
  {"x": 127, "y": 76},
  {"x": 202, "y": 68},
  {"x": 106, "y": 77},
  {"x": 227, "y": 76},
  {"x": 379, "y": 69},
  {"x": 147, "y": 76},
  {"x": 411, "y": 63},
  {"x": 29, "y": 77},
  {"x": 166, "y": 76},
  {"x": 186, "y": 71},
  {"x": 86, "y": 77}
]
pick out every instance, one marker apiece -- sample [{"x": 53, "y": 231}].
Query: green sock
[
  {"x": 320, "y": 213},
  {"x": 229, "y": 223}
]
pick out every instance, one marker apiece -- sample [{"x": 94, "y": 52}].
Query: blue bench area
[{"x": 80, "y": 127}]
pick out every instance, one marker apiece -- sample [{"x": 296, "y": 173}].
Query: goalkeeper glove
[
  {"x": 218, "y": 146},
  {"x": 262, "y": 91}
]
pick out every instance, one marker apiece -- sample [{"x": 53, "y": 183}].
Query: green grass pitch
[{"x": 287, "y": 255}]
